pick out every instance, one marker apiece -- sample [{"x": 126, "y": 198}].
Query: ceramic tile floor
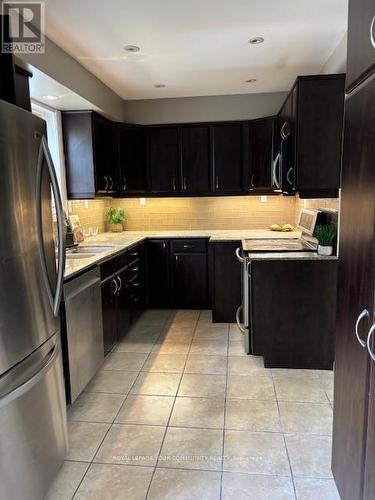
[{"x": 180, "y": 412}]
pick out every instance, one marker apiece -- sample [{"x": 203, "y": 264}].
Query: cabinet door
[
  {"x": 369, "y": 487},
  {"x": 228, "y": 158},
  {"x": 164, "y": 159},
  {"x": 123, "y": 305},
  {"x": 287, "y": 135},
  {"x": 104, "y": 154},
  {"x": 361, "y": 41},
  {"x": 355, "y": 293},
  {"x": 190, "y": 280},
  {"x": 319, "y": 133},
  {"x": 132, "y": 155},
  {"x": 225, "y": 272},
  {"x": 195, "y": 159},
  {"x": 261, "y": 134},
  {"x": 109, "y": 310},
  {"x": 158, "y": 276}
]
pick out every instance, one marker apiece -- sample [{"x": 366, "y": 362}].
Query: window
[{"x": 52, "y": 118}]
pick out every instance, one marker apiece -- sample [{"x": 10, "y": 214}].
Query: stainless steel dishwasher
[{"x": 83, "y": 341}]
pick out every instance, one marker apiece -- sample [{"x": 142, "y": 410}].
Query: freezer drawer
[
  {"x": 33, "y": 436},
  {"x": 83, "y": 339}
]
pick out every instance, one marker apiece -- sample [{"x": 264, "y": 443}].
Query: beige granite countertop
[{"x": 120, "y": 241}]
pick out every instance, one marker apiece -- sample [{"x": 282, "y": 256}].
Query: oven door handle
[{"x": 239, "y": 324}]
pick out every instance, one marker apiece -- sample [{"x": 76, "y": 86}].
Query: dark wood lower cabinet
[
  {"x": 353, "y": 458},
  {"x": 292, "y": 312},
  {"x": 109, "y": 311},
  {"x": 158, "y": 273},
  {"x": 123, "y": 293},
  {"x": 190, "y": 280},
  {"x": 225, "y": 279}
]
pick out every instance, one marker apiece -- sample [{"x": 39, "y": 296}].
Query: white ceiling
[
  {"x": 41, "y": 86},
  {"x": 197, "y": 47}
]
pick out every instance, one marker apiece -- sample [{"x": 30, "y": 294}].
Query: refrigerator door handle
[
  {"x": 39, "y": 373},
  {"x": 54, "y": 298}
]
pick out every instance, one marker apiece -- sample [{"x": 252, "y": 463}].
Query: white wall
[
  {"x": 200, "y": 109},
  {"x": 336, "y": 63},
  {"x": 63, "y": 68}
]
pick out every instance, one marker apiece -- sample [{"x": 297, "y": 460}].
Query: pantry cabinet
[{"x": 361, "y": 42}]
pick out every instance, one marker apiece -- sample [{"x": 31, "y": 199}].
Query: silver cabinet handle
[
  {"x": 174, "y": 183},
  {"x": 217, "y": 182},
  {"x": 111, "y": 184},
  {"x": 119, "y": 284},
  {"x": 188, "y": 246},
  {"x": 106, "y": 183},
  {"x": 184, "y": 184},
  {"x": 369, "y": 338},
  {"x": 239, "y": 324},
  {"x": 275, "y": 180},
  {"x": 372, "y": 37},
  {"x": 124, "y": 185},
  {"x": 239, "y": 256},
  {"x": 116, "y": 285},
  {"x": 290, "y": 171},
  {"x": 53, "y": 297},
  {"x": 284, "y": 135},
  {"x": 135, "y": 269},
  {"x": 252, "y": 185},
  {"x": 362, "y": 315}
]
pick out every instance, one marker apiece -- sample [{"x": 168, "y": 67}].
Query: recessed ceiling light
[
  {"x": 256, "y": 40},
  {"x": 132, "y": 48},
  {"x": 50, "y": 97},
  {"x": 159, "y": 85},
  {"x": 251, "y": 80}
]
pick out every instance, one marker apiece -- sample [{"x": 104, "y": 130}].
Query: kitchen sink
[{"x": 89, "y": 249}]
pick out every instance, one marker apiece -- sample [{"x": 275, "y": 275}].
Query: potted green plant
[
  {"x": 116, "y": 217},
  {"x": 325, "y": 234}
]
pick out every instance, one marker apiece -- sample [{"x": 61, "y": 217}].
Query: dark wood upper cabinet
[
  {"x": 261, "y": 135},
  {"x": 195, "y": 159},
  {"x": 163, "y": 159},
  {"x": 89, "y": 148},
  {"x": 361, "y": 42},
  {"x": 228, "y": 157},
  {"x": 131, "y": 159},
  {"x": 356, "y": 285},
  {"x": 310, "y": 137}
]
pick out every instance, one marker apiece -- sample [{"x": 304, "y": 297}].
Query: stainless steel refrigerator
[{"x": 33, "y": 436}]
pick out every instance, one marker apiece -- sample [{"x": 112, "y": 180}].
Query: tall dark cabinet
[
  {"x": 353, "y": 457},
  {"x": 164, "y": 159},
  {"x": 132, "y": 159},
  {"x": 195, "y": 159},
  {"x": 228, "y": 157}
]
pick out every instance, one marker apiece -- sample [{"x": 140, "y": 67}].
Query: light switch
[{"x": 263, "y": 199}]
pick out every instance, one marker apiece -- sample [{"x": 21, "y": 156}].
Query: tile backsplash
[{"x": 237, "y": 212}]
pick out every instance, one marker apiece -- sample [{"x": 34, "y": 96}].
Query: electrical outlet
[
  {"x": 263, "y": 199},
  {"x": 86, "y": 204},
  {"x": 142, "y": 202}
]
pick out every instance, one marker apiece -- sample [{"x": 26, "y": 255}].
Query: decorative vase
[
  {"x": 325, "y": 250},
  {"x": 116, "y": 228}
]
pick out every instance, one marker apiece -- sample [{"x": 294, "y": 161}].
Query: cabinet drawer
[
  {"x": 189, "y": 245},
  {"x": 113, "y": 265}
]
